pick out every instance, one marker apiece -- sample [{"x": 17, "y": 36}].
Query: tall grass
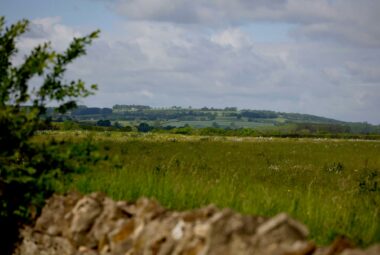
[{"x": 330, "y": 185}]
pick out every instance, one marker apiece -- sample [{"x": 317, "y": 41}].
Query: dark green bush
[
  {"x": 370, "y": 181},
  {"x": 29, "y": 171}
]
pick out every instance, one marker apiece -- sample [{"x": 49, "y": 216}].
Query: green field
[
  {"x": 333, "y": 186},
  {"x": 222, "y": 122}
]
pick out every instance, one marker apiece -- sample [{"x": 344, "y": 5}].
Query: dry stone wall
[{"x": 96, "y": 225}]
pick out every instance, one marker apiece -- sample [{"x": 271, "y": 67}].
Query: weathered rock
[
  {"x": 35, "y": 243},
  {"x": 82, "y": 217},
  {"x": 373, "y": 250},
  {"x": 51, "y": 220},
  {"x": 97, "y": 225},
  {"x": 280, "y": 235}
]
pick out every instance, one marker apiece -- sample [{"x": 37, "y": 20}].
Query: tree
[
  {"x": 103, "y": 123},
  {"x": 215, "y": 125},
  {"x": 117, "y": 125},
  {"x": 144, "y": 127},
  {"x": 29, "y": 171}
]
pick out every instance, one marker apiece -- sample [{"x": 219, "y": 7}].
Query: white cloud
[
  {"x": 232, "y": 37},
  {"x": 146, "y": 93},
  {"x": 48, "y": 29}
]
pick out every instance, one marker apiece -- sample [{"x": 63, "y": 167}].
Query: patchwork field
[{"x": 333, "y": 186}]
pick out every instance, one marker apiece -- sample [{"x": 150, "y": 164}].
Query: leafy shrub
[
  {"x": 144, "y": 127},
  {"x": 29, "y": 172},
  {"x": 336, "y": 167},
  {"x": 370, "y": 181},
  {"x": 103, "y": 123}
]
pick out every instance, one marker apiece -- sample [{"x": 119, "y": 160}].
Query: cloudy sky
[{"x": 310, "y": 56}]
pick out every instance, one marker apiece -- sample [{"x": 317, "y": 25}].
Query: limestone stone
[
  {"x": 96, "y": 225},
  {"x": 372, "y": 250}
]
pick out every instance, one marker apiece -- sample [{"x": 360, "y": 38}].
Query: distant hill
[{"x": 227, "y": 118}]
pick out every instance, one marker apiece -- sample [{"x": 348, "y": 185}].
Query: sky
[{"x": 318, "y": 57}]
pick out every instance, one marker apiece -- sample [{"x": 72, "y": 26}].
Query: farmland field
[
  {"x": 333, "y": 186},
  {"x": 220, "y": 122}
]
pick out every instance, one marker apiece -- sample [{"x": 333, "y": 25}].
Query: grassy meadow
[{"x": 333, "y": 186}]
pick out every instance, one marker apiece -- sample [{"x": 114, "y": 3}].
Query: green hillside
[{"x": 229, "y": 118}]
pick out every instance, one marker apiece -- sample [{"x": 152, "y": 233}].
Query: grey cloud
[
  {"x": 216, "y": 11},
  {"x": 226, "y": 11},
  {"x": 363, "y": 72},
  {"x": 344, "y": 21}
]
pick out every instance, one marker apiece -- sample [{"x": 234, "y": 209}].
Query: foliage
[
  {"x": 335, "y": 167},
  {"x": 370, "y": 181},
  {"x": 262, "y": 123},
  {"x": 29, "y": 172},
  {"x": 84, "y": 110},
  {"x": 117, "y": 125},
  {"x": 144, "y": 127},
  {"x": 288, "y": 130},
  {"x": 103, "y": 123}
]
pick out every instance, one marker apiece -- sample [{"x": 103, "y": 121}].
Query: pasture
[{"x": 333, "y": 186}]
